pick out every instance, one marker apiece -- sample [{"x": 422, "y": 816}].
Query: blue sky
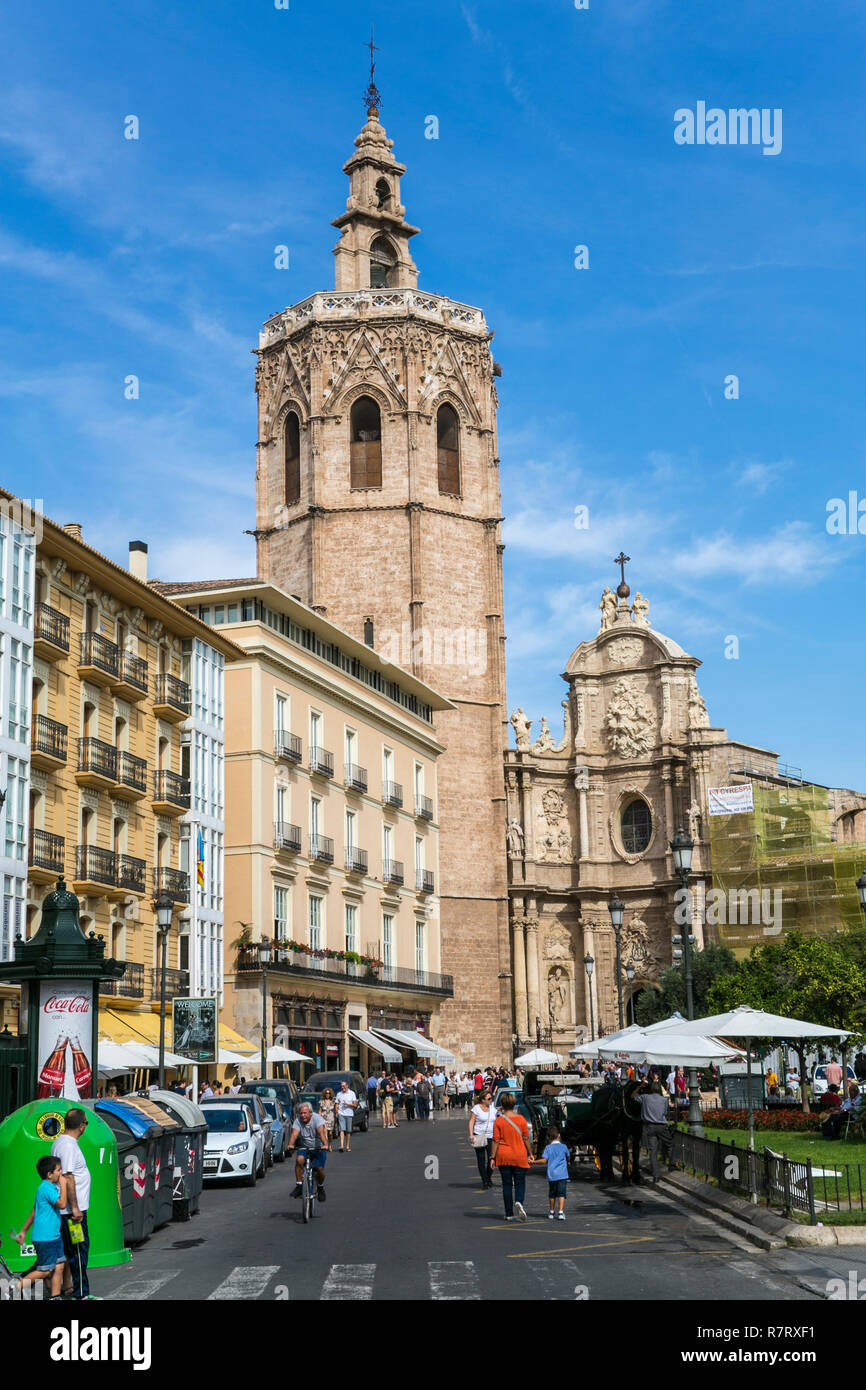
[{"x": 155, "y": 258}]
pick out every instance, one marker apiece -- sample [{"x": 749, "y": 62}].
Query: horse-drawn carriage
[{"x": 594, "y": 1115}]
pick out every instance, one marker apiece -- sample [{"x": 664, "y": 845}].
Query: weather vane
[{"x": 372, "y": 96}]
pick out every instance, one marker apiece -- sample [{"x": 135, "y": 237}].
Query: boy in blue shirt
[
  {"x": 556, "y": 1158},
  {"x": 45, "y": 1220}
]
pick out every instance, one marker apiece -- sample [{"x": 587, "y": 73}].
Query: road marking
[
  {"x": 453, "y": 1280},
  {"x": 565, "y": 1276},
  {"x": 349, "y": 1282},
  {"x": 245, "y": 1281},
  {"x": 142, "y": 1287},
  {"x": 572, "y": 1249}
]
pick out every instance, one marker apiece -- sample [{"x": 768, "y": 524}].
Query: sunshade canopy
[
  {"x": 538, "y": 1057},
  {"x": 746, "y": 1022},
  {"x": 386, "y": 1052}
]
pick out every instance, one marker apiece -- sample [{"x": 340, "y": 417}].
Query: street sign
[{"x": 194, "y": 1029}]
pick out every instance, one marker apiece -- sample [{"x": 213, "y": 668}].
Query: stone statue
[
  {"x": 694, "y": 817},
  {"x": 629, "y": 723},
  {"x": 515, "y": 840},
  {"x": 640, "y": 610},
  {"x": 557, "y": 996},
  {"x": 545, "y": 743},
  {"x": 608, "y": 609},
  {"x": 521, "y": 726},
  {"x": 698, "y": 717}
]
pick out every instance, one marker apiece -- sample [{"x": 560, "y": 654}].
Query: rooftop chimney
[
  {"x": 74, "y": 529},
  {"x": 138, "y": 560}
]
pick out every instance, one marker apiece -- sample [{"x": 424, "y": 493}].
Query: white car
[
  {"x": 234, "y": 1146},
  {"x": 819, "y": 1081}
]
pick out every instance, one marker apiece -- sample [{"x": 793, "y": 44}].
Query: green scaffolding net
[{"x": 777, "y": 869}]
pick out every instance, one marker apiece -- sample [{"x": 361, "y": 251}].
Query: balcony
[
  {"x": 424, "y": 881},
  {"x": 392, "y": 794},
  {"x": 95, "y": 871},
  {"x": 356, "y": 778},
  {"x": 48, "y": 743},
  {"x": 300, "y": 964},
  {"x": 174, "y": 882},
  {"x": 287, "y": 746},
  {"x": 287, "y": 838},
  {"x": 170, "y": 794},
  {"x": 129, "y": 986},
  {"x": 424, "y": 807},
  {"x": 131, "y": 776},
  {"x": 100, "y": 660},
  {"x": 131, "y": 876},
  {"x": 45, "y": 860},
  {"x": 176, "y": 983},
  {"x": 322, "y": 762},
  {"x": 50, "y": 633},
  {"x": 392, "y": 871},
  {"x": 97, "y": 764},
  {"x": 171, "y": 699},
  {"x": 356, "y": 860},
  {"x": 131, "y": 683},
  {"x": 322, "y": 849}
]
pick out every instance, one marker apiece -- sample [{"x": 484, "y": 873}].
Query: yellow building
[{"x": 331, "y": 829}]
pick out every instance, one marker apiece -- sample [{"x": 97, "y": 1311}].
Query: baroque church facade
[{"x": 378, "y": 505}]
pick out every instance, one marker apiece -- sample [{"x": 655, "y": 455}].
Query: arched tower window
[
  {"x": 383, "y": 264},
  {"x": 293, "y": 458},
  {"x": 383, "y": 195},
  {"x": 366, "y": 444},
  {"x": 636, "y": 827},
  {"x": 448, "y": 445}
]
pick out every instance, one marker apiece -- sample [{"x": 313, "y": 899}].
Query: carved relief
[
  {"x": 545, "y": 743},
  {"x": 558, "y": 992},
  {"x": 698, "y": 717},
  {"x": 626, "y": 651},
  {"x": 638, "y": 949},
  {"x": 557, "y": 944},
  {"x": 629, "y": 721},
  {"x": 554, "y": 841}
]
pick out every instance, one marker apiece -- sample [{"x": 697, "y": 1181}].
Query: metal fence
[{"x": 759, "y": 1173}]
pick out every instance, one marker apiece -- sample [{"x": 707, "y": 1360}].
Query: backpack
[{"x": 423, "y": 1089}]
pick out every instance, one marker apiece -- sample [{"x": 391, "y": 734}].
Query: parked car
[
  {"x": 281, "y": 1126},
  {"x": 819, "y": 1080},
  {"x": 234, "y": 1146},
  {"x": 317, "y": 1083},
  {"x": 259, "y": 1117},
  {"x": 281, "y": 1088}
]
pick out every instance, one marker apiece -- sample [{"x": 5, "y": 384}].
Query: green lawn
[{"x": 798, "y": 1146}]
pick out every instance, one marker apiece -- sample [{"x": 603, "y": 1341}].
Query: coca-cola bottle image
[
  {"x": 53, "y": 1075},
  {"x": 82, "y": 1072}
]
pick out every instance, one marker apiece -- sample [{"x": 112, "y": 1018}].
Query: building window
[
  {"x": 315, "y": 732},
  {"x": 16, "y": 808},
  {"x": 636, "y": 827},
  {"x": 281, "y": 914},
  {"x": 383, "y": 259},
  {"x": 293, "y": 458},
  {"x": 350, "y": 834},
  {"x": 281, "y": 717},
  {"x": 388, "y": 941},
  {"x": 366, "y": 444},
  {"x": 12, "y": 922},
  {"x": 420, "y": 956},
  {"x": 351, "y": 927},
  {"x": 448, "y": 449},
  {"x": 315, "y": 827},
  {"x": 315, "y": 925}
]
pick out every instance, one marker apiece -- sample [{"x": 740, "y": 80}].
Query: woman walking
[
  {"x": 451, "y": 1092},
  {"x": 481, "y": 1120},
  {"x": 511, "y": 1153},
  {"x": 408, "y": 1097},
  {"x": 328, "y": 1112}
]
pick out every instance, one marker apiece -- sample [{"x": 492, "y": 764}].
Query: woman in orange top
[{"x": 511, "y": 1153}]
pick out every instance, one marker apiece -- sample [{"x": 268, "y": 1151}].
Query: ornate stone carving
[
  {"x": 698, "y": 717},
  {"x": 557, "y": 944},
  {"x": 694, "y": 818},
  {"x": 579, "y": 719},
  {"x": 625, "y": 651},
  {"x": 521, "y": 726},
  {"x": 640, "y": 610},
  {"x": 514, "y": 836},
  {"x": 565, "y": 742},
  {"x": 629, "y": 721},
  {"x": 544, "y": 743},
  {"x": 637, "y": 948},
  {"x": 581, "y": 779},
  {"x": 608, "y": 609},
  {"x": 557, "y": 996},
  {"x": 554, "y": 845}
]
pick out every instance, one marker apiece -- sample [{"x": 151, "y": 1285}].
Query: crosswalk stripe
[
  {"x": 142, "y": 1287},
  {"x": 349, "y": 1282},
  {"x": 245, "y": 1281},
  {"x": 453, "y": 1280}
]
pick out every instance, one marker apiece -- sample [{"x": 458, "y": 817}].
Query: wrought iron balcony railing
[
  {"x": 322, "y": 761},
  {"x": 392, "y": 793},
  {"x": 46, "y": 851},
  {"x": 172, "y": 693},
  {"x": 287, "y": 837},
  {"x": 287, "y": 746},
  {"x": 98, "y": 652},
  {"x": 97, "y": 758},
  {"x": 174, "y": 882},
  {"x": 171, "y": 788},
  {"x": 131, "y": 771},
  {"x": 424, "y": 807},
  {"x": 393, "y": 871},
  {"x": 133, "y": 671},
  {"x": 356, "y": 860},
  {"x": 94, "y": 865},
  {"x": 131, "y": 874},
  {"x": 424, "y": 881},
  {"x": 51, "y": 626},
  {"x": 322, "y": 848},
  {"x": 356, "y": 777},
  {"x": 49, "y": 737},
  {"x": 129, "y": 986}
]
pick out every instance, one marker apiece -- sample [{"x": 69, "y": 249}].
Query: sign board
[
  {"x": 65, "y": 1040},
  {"x": 194, "y": 1029},
  {"x": 730, "y": 801},
  {"x": 734, "y": 1092}
]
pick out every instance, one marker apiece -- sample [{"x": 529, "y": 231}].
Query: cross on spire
[
  {"x": 622, "y": 560},
  {"x": 372, "y": 96}
]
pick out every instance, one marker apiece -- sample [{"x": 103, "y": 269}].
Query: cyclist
[{"x": 310, "y": 1138}]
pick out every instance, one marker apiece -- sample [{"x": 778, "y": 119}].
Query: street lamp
[
  {"x": 616, "y": 908},
  {"x": 264, "y": 962},
  {"x": 589, "y": 966},
  {"x": 682, "y": 849},
  {"x": 164, "y": 910},
  {"x": 861, "y": 889},
  {"x": 629, "y": 975}
]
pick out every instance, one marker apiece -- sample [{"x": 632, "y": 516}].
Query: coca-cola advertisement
[{"x": 65, "y": 1034}]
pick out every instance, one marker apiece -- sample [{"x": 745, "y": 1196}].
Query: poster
[
  {"x": 64, "y": 1040},
  {"x": 730, "y": 801},
  {"x": 194, "y": 1029}
]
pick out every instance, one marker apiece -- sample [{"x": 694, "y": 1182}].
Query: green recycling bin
[
  {"x": 27, "y": 1135},
  {"x": 188, "y": 1151}
]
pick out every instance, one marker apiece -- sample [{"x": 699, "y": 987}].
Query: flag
[{"x": 200, "y": 861}]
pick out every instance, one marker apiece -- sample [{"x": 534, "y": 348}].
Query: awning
[
  {"x": 418, "y": 1043},
  {"x": 144, "y": 1027},
  {"x": 388, "y": 1054}
]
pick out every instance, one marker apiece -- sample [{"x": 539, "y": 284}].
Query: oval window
[{"x": 636, "y": 827}]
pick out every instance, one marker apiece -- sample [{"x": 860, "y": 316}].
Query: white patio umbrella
[
  {"x": 657, "y": 1049},
  {"x": 285, "y": 1054},
  {"x": 135, "y": 1056},
  {"x": 589, "y": 1050},
  {"x": 538, "y": 1057}
]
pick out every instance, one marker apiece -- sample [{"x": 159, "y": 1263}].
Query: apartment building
[{"x": 331, "y": 829}]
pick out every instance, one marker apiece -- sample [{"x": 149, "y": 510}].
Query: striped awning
[
  {"x": 422, "y": 1046},
  {"x": 388, "y": 1054}
]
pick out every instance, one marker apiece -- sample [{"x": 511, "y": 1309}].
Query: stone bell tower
[{"x": 378, "y": 504}]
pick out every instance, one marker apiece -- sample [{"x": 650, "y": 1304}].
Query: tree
[{"x": 708, "y": 965}]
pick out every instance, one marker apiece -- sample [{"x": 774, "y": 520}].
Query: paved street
[{"x": 389, "y": 1231}]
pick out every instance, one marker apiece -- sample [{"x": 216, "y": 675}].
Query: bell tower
[{"x": 378, "y": 504}]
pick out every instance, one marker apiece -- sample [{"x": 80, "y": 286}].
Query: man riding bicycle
[{"x": 310, "y": 1138}]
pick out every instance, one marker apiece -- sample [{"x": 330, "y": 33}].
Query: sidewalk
[{"x": 756, "y": 1223}]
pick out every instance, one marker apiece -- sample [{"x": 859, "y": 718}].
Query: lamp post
[
  {"x": 616, "y": 908},
  {"x": 629, "y": 975},
  {"x": 164, "y": 911},
  {"x": 861, "y": 889},
  {"x": 589, "y": 966},
  {"x": 264, "y": 962},
  {"x": 682, "y": 848}
]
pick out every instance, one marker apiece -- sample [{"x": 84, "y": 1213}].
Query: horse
[{"x": 614, "y": 1121}]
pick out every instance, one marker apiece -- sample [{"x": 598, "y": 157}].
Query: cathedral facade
[{"x": 378, "y": 505}]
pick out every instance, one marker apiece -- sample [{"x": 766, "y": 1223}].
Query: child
[
  {"x": 45, "y": 1220},
  {"x": 556, "y": 1158}
]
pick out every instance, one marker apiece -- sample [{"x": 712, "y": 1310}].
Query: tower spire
[{"x": 372, "y": 96}]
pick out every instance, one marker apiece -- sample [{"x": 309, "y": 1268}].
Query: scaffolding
[{"x": 784, "y": 853}]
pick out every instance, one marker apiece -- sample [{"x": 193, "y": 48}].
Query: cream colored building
[{"x": 331, "y": 828}]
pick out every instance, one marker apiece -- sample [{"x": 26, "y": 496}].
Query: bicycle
[{"x": 308, "y": 1192}]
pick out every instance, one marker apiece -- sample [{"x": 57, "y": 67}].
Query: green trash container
[
  {"x": 188, "y": 1151},
  {"x": 163, "y": 1176},
  {"x": 27, "y": 1135},
  {"x": 137, "y": 1137}
]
